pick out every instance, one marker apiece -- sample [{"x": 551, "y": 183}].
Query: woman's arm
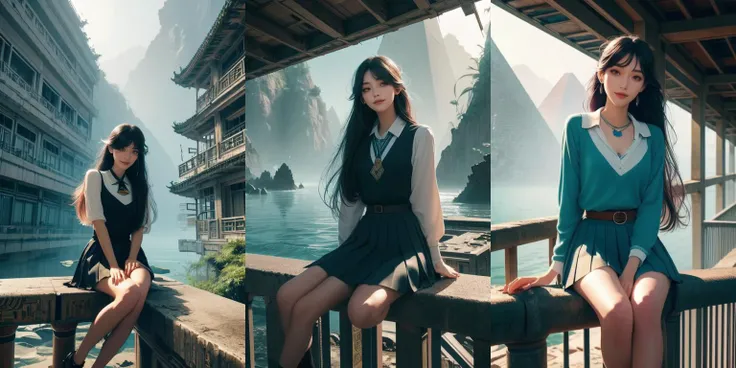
[
  {"x": 350, "y": 214},
  {"x": 425, "y": 196},
  {"x": 95, "y": 213},
  {"x": 568, "y": 192}
]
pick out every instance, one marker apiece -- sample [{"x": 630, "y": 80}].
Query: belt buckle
[
  {"x": 620, "y": 217},
  {"x": 378, "y": 208}
]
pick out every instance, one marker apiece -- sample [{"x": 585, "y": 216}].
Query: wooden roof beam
[
  {"x": 729, "y": 106},
  {"x": 318, "y": 16},
  {"x": 680, "y": 4},
  {"x": 700, "y": 29},
  {"x": 377, "y": 8},
  {"x": 270, "y": 29},
  {"x": 589, "y": 20},
  {"x": 422, "y": 4},
  {"x": 613, "y": 13},
  {"x": 721, "y": 79}
]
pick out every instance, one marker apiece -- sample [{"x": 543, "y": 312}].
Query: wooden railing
[
  {"x": 213, "y": 154},
  {"x": 235, "y": 225},
  {"x": 180, "y": 326},
  {"x": 232, "y": 76},
  {"x": 423, "y": 321}
]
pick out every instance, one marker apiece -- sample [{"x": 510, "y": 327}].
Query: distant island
[{"x": 283, "y": 179}]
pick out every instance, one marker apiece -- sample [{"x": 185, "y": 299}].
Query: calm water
[
  {"x": 161, "y": 249},
  {"x": 297, "y": 224}
]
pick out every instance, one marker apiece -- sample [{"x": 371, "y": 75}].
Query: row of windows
[
  {"x": 49, "y": 97},
  {"x": 21, "y": 212},
  {"x": 24, "y": 142}
]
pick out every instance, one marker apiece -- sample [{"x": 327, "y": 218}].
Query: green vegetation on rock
[{"x": 226, "y": 271}]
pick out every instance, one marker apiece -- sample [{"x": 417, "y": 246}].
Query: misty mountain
[
  {"x": 288, "y": 122},
  {"x": 150, "y": 91},
  {"x": 420, "y": 52},
  {"x": 566, "y": 98},
  {"x": 471, "y": 137},
  {"x": 535, "y": 86},
  {"x": 523, "y": 147},
  {"x": 119, "y": 67},
  {"x": 335, "y": 126}
]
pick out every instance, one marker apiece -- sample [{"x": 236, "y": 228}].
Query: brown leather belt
[
  {"x": 619, "y": 217},
  {"x": 393, "y": 208}
]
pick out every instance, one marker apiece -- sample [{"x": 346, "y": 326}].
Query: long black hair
[
  {"x": 121, "y": 137},
  {"x": 621, "y": 51},
  {"x": 343, "y": 185}
]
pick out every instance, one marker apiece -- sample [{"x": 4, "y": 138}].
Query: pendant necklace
[
  {"x": 617, "y": 131},
  {"x": 379, "y": 146}
]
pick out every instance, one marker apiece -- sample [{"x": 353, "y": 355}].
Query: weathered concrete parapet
[
  {"x": 520, "y": 321},
  {"x": 460, "y": 306},
  {"x": 179, "y": 323}
]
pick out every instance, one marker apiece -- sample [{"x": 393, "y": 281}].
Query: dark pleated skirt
[
  {"x": 598, "y": 243},
  {"x": 93, "y": 266},
  {"x": 387, "y": 249}
]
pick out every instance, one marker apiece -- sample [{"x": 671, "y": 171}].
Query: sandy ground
[{"x": 555, "y": 354}]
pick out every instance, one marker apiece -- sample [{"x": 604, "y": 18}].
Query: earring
[
  {"x": 637, "y": 100},
  {"x": 601, "y": 88}
]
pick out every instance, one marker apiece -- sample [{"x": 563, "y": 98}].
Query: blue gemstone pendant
[{"x": 617, "y": 133}]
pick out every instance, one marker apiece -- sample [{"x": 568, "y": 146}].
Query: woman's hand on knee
[
  {"x": 117, "y": 275},
  {"x": 526, "y": 283}
]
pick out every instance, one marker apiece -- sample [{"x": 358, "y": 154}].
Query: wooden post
[
  {"x": 720, "y": 163},
  {"x": 144, "y": 355},
  {"x": 698, "y": 173},
  {"x": 408, "y": 345},
  {"x": 250, "y": 352},
  {"x": 63, "y": 341},
  {"x": 7, "y": 346},
  {"x": 672, "y": 340},
  {"x": 274, "y": 332},
  {"x": 511, "y": 266},
  {"x": 351, "y": 344}
]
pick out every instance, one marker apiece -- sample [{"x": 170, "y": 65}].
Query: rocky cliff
[
  {"x": 478, "y": 189},
  {"x": 149, "y": 89},
  {"x": 471, "y": 137},
  {"x": 287, "y": 121}
]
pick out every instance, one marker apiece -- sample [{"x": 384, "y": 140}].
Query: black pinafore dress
[
  {"x": 93, "y": 266},
  {"x": 386, "y": 249}
]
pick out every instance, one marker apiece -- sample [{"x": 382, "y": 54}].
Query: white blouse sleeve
[
  {"x": 425, "y": 196},
  {"x": 147, "y": 218},
  {"x": 350, "y": 214},
  {"x": 92, "y": 195}
]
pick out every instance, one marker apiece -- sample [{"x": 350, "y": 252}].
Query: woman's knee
[
  {"x": 305, "y": 312},
  {"x": 646, "y": 310},
  {"x": 619, "y": 314},
  {"x": 365, "y": 315},
  {"x": 128, "y": 297}
]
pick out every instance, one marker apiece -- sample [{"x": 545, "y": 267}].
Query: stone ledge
[
  {"x": 180, "y": 321},
  {"x": 534, "y": 314},
  {"x": 461, "y": 306}
]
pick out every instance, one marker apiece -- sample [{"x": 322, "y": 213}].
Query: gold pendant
[
  {"x": 123, "y": 191},
  {"x": 377, "y": 169}
]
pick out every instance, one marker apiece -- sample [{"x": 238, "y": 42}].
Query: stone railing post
[
  {"x": 672, "y": 340},
  {"x": 144, "y": 356},
  {"x": 527, "y": 354},
  {"x": 63, "y": 342},
  {"x": 7, "y": 345}
]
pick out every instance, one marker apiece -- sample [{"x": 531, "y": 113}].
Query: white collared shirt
[
  {"x": 424, "y": 198},
  {"x": 93, "y": 196}
]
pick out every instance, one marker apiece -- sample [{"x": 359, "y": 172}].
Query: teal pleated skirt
[
  {"x": 598, "y": 243},
  {"x": 386, "y": 249}
]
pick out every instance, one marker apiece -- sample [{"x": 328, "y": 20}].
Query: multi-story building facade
[
  {"x": 47, "y": 75},
  {"x": 215, "y": 176}
]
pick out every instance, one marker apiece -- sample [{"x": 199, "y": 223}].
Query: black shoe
[
  {"x": 68, "y": 361},
  {"x": 306, "y": 361}
]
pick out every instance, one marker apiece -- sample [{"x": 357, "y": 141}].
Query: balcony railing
[
  {"x": 428, "y": 322},
  {"x": 44, "y": 230},
  {"x": 34, "y": 22},
  {"x": 704, "y": 294},
  {"x": 30, "y": 157},
  {"x": 232, "y": 76},
  {"x": 213, "y": 154},
  {"x": 180, "y": 326},
  {"x": 233, "y": 225},
  {"x": 53, "y": 113}
]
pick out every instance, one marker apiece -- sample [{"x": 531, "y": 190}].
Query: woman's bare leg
[
  {"x": 647, "y": 301},
  {"x": 602, "y": 289},
  {"x": 295, "y": 289},
  {"x": 369, "y": 305},
  {"x": 125, "y": 296},
  {"x": 307, "y": 310},
  {"x": 142, "y": 278}
]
